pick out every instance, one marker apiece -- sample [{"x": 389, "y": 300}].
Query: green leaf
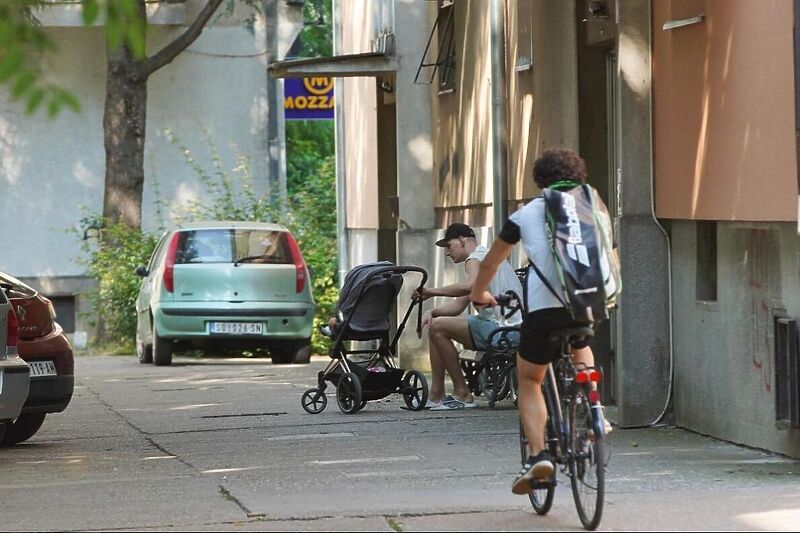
[
  {"x": 10, "y": 63},
  {"x": 136, "y": 38},
  {"x": 23, "y": 84},
  {"x": 35, "y": 98},
  {"x": 90, "y": 12},
  {"x": 53, "y": 106},
  {"x": 128, "y": 8},
  {"x": 69, "y": 100}
]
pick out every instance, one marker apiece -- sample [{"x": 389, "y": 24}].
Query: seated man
[{"x": 446, "y": 326}]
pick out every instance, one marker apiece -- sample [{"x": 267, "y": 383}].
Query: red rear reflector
[
  {"x": 595, "y": 376},
  {"x": 12, "y": 331},
  {"x": 582, "y": 377},
  {"x": 299, "y": 263},
  {"x": 169, "y": 267},
  {"x": 594, "y": 396}
]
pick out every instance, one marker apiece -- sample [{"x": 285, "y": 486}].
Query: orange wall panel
[{"x": 723, "y": 111}]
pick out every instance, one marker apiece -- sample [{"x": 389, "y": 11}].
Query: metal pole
[
  {"x": 341, "y": 184},
  {"x": 276, "y": 131},
  {"x": 499, "y": 123}
]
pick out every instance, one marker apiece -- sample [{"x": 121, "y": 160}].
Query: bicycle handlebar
[{"x": 509, "y": 300}]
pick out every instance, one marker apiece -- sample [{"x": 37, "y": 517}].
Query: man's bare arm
[{"x": 452, "y": 308}]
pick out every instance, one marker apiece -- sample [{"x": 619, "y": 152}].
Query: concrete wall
[
  {"x": 725, "y": 350},
  {"x": 51, "y": 169}
]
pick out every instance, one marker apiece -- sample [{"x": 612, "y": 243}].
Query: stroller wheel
[
  {"x": 348, "y": 393},
  {"x": 314, "y": 401},
  {"x": 415, "y": 390}
]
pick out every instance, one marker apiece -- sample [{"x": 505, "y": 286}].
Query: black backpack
[{"x": 581, "y": 240}]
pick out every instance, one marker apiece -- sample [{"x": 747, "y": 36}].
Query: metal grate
[{"x": 787, "y": 372}]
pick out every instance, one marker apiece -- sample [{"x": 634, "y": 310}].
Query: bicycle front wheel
[{"x": 587, "y": 461}]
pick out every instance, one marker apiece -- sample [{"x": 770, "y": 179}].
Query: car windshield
[{"x": 232, "y": 245}]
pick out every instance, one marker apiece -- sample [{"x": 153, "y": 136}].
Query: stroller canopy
[{"x": 368, "y": 296}]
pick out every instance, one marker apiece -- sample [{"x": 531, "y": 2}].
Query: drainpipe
[
  {"x": 499, "y": 125},
  {"x": 341, "y": 184}
]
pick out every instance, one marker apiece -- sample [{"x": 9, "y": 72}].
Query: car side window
[{"x": 156, "y": 253}]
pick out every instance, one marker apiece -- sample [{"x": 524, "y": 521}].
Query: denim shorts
[{"x": 480, "y": 329}]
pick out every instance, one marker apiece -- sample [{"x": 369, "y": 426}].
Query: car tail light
[
  {"x": 299, "y": 263},
  {"x": 582, "y": 377},
  {"x": 169, "y": 267},
  {"x": 595, "y": 376},
  {"x": 594, "y": 396},
  {"x": 12, "y": 336}
]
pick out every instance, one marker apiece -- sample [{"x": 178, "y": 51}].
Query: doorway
[{"x": 598, "y": 145}]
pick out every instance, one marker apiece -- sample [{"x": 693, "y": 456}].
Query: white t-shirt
[
  {"x": 528, "y": 225},
  {"x": 505, "y": 280}
]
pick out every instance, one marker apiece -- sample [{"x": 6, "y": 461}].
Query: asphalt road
[{"x": 223, "y": 444}]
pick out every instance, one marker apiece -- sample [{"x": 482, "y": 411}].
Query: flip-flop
[{"x": 449, "y": 405}]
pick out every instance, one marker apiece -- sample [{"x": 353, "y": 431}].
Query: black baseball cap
[{"x": 454, "y": 231}]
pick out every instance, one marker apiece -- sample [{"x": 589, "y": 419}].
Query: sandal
[{"x": 453, "y": 403}]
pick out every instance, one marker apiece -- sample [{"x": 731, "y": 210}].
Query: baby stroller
[{"x": 363, "y": 312}]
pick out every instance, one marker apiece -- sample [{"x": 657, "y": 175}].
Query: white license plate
[
  {"x": 237, "y": 328},
  {"x": 42, "y": 368}
]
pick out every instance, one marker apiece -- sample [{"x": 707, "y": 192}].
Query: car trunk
[
  {"x": 33, "y": 315},
  {"x": 224, "y": 282}
]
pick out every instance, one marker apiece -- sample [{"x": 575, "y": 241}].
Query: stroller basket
[{"x": 364, "y": 311}]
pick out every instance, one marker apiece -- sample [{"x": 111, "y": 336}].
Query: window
[
  {"x": 65, "y": 312},
  {"x": 787, "y": 372},
  {"x": 706, "y": 274},
  {"x": 229, "y": 245},
  {"x": 445, "y": 62}
]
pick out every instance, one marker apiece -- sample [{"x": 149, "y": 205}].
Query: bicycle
[{"x": 575, "y": 441}]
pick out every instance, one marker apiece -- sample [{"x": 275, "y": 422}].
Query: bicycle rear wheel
[{"x": 587, "y": 461}]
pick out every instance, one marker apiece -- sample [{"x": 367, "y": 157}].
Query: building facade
[
  {"x": 685, "y": 113},
  {"x": 214, "y": 96}
]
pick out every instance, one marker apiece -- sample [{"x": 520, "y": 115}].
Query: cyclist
[{"x": 545, "y": 312}]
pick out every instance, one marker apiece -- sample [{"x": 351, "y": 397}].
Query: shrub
[{"x": 111, "y": 259}]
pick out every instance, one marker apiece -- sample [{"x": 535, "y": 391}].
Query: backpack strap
[{"x": 546, "y": 284}]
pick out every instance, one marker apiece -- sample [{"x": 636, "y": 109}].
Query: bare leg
[
  {"x": 532, "y": 408},
  {"x": 443, "y": 331},
  {"x": 436, "y": 391}
]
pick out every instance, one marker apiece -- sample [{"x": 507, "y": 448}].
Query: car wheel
[
  {"x": 281, "y": 353},
  {"x": 302, "y": 356},
  {"x": 144, "y": 352},
  {"x": 22, "y": 428},
  {"x": 287, "y": 352},
  {"x": 162, "y": 349}
]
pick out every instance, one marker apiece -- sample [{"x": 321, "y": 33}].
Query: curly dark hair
[{"x": 558, "y": 164}]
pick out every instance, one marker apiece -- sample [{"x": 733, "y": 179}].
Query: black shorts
[{"x": 534, "y": 344}]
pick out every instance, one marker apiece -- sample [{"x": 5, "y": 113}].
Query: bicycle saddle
[{"x": 571, "y": 334}]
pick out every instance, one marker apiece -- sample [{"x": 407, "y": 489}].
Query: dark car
[{"x": 43, "y": 345}]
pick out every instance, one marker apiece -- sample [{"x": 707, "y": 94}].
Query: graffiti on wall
[{"x": 763, "y": 274}]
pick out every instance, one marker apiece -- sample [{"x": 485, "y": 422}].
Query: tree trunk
[{"x": 124, "y": 124}]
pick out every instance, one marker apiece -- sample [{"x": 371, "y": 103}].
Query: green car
[{"x": 214, "y": 285}]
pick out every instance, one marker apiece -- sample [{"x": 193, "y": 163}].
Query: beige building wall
[
  {"x": 360, "y": 132},
  {"x": 542, "y": 97},
  {"x": 462, "y": 165},
  {"x": 724, "y": 128},
  {"x": 542, "y": 105}
]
